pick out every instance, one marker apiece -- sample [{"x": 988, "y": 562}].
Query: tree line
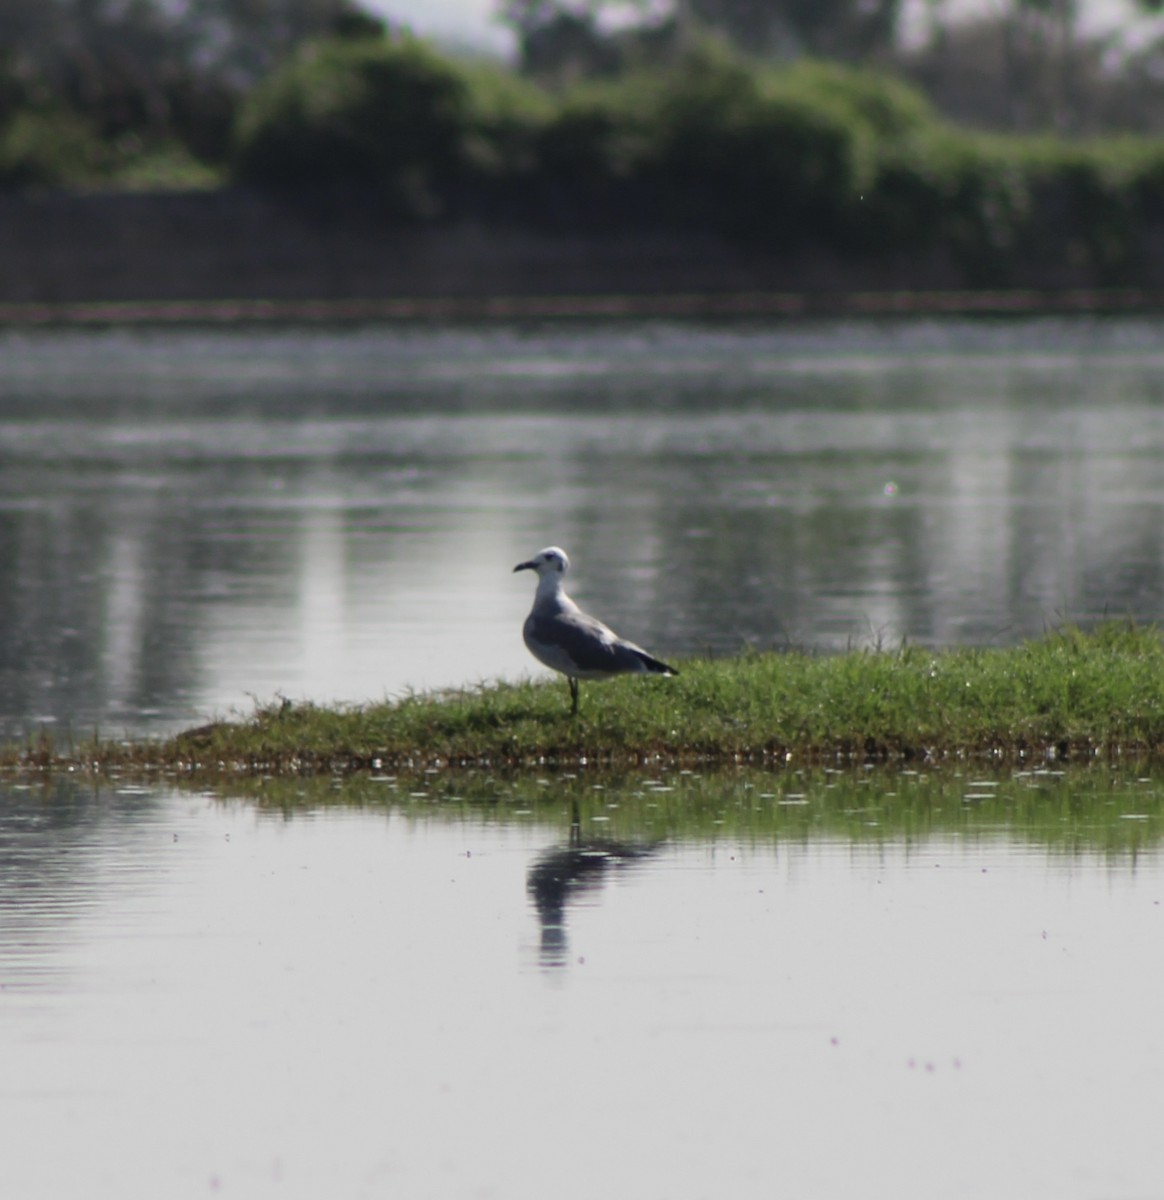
[
  {"x": 659, "y": 119},
  {"x": 1009, "y": 65},
  {"x": 99, "y": 83},
  {"x": 92, "y": 89}
]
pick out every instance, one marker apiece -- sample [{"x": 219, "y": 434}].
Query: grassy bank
[{"x": 1071, "y": 694}]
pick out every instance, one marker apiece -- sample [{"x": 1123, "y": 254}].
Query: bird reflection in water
[{"x": 565, "y": 874}]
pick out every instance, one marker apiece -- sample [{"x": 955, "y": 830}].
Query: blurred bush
[
  {"x": 386, "y": 117},
  {"x": 43, "y": 149},
  {"x": 764, "y": 156},
  {"x": 810, "y": 156},
  {"x": 592, "y": 154}
]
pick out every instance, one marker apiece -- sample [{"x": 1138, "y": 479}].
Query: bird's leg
[{"x": 573, "y": 694}]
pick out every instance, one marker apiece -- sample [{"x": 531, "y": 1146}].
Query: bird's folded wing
[{"x": 581, "y": 644}]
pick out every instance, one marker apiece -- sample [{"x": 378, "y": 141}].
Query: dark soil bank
[{"x": 234, "y": 252}]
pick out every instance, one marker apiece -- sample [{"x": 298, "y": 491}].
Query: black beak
[{"x": 526, "y": 566}]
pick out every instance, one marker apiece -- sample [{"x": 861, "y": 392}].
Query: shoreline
[
  {"x": 236, "y": 255},
  {"x": 582, "y": 307}
]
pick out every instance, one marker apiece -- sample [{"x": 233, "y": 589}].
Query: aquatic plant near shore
[{"x": 1117, "y": 808}]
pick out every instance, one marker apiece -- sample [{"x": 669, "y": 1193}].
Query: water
[
  {"x": 192, "y": 518},
  {"x": 830, "y": 985}
]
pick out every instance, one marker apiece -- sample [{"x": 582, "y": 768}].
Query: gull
[{"x": 560, "y": 635}]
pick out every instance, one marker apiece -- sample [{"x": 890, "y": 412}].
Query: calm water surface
[
  {"x": 835, "y": 985},
  {"x": 831, "y": 985},
  {"x": 192, "y": 518}
]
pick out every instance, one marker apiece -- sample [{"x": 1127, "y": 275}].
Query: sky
[
  {"x": 471, "y": 23},
  {"x": 467, "y": 22}
]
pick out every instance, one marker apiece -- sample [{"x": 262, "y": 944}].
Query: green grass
[{"x": 1071, "y": 694}]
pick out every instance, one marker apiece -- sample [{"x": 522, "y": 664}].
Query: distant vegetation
[
  {"x": 807, "y": 155},
  {"x": 660, "y": 126},
  {"x": 142, "y": 93}
]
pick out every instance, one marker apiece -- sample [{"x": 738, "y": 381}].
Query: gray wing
[{"x": 580, "y": 645}]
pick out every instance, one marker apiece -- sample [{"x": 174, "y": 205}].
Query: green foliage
[
  {"x": 49, "y": 149},
  {"x": 890, "y": 108},
  {"x": 388, "y": 117},
  {"x": 774, "y": 156},
  {"x": 781, "y": 156},
  {"x": 809, "y": 157},
  {"x": 159, "y": 70},
  {"x": 946, "y": 190},
  {"x": 1005, "y": 207},
  {"x": 56, "y": 149},
  {"x": 593, "y": 149},
  {"x": 604, "y": 127},
  {"x": 503, "y": 116},
  {"x": 814, "y": 155},
  {"x": 1089, "y": 198},
  {"x": 756, "y": 156},
  {"x": 163, "y": 166}
]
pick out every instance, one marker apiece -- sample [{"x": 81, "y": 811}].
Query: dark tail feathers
[{"x": 655, "y": 665}]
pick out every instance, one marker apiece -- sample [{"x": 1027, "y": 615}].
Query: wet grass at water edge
[
  {"x": 1113, "y": 808},
  {"x": 1071, "y": 695}
]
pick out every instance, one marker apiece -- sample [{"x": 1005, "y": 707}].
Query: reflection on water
[
  {"x": 793, "y": 982},
  {"x": 188, "y": 518},
  {"x": 571, "y": 874}
]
